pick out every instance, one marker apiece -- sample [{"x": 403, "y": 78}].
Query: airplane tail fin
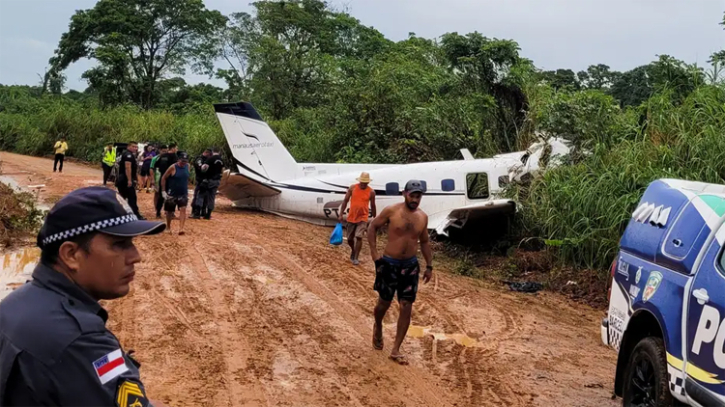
[{"x": 257, "y": 151}]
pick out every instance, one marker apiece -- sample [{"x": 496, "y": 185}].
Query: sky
[{"x": 570, "y": 34}]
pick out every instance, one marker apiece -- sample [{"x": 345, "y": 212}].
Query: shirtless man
[{"x": 398, "y": 270}]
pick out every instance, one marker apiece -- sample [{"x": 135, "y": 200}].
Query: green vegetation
[
  {"x": 19, "y": 216},
  {"x": 335, "y": 90}
]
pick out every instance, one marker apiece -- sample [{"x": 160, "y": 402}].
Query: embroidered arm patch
[{"x": 131, "y": 394}]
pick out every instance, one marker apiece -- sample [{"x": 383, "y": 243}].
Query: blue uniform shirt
[{"x": 55, "y": 349}]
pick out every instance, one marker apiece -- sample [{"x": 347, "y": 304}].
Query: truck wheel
[{"x": 646, "y": 382}]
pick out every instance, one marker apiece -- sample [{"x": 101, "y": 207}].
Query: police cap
[{"x": 93, "y": 209}]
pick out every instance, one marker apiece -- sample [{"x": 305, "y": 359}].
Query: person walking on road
[
  {"x": 159, "y": 168},
  {"x": 397, "y": 271},
  {"x": 126, "y": 180},
  {"x": 60, "y": 147},
  {"x": 175, "y": 190},
  {"x": 108, "y": 161},
  {"x": 212, "y": 169},
  {"x": 362, "y": 205},
  {"x": 199, "y": 177},
  {"x": 55, "y": 347}
]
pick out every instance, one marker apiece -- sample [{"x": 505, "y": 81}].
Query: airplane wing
[
  {"x": 458, "y": 217},
  {"x": 238, "y": 186}
]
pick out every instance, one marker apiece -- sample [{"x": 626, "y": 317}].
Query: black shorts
[
  {"x": 173, "y": 202},
  {"x": 401, "y": 276},
  {"x": 146, "y": 168}
]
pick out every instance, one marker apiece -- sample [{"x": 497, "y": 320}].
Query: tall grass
[
  {"x": 34, "y": 129},
  {"x": 582, "y": 209}
]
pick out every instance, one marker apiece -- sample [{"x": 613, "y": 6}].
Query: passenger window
[
  {"x": 503, "y": 180},
  {"x": 392, "y": 188},
  {"x": 448, "y": 185},
  {"x": 477, "y": 185}
]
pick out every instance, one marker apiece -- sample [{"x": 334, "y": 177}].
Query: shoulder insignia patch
[
  {"x": 130, "y": 394},
  {"x": 110, "y": 366}
]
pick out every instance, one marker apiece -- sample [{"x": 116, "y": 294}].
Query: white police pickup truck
[{"x": 666, "y": 313}]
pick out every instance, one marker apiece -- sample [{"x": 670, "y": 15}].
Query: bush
[
  {"x": 19, "y": 217},
  {"x": 581, "y": 210}
]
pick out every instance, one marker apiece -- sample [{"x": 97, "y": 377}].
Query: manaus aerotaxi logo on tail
[{"x": 653, "y": 283}]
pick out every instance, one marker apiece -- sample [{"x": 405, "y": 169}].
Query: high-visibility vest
[{"x": 109, "y": 157}]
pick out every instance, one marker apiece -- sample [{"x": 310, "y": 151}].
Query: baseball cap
[
  {"x": 182, "y": 155},
  {"x": 414, "y": 185},
  {"x": 93, "y": 209}
]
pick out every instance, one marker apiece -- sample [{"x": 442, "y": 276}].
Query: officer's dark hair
[
  {"x": 172, "y": 145},
  {"x": 132, "y": 142},
  {"x": 49, "y": 253},
  {"x": 208, "y": 150},
  {"x": 163, "y": 146},
  {"x": 215, "y": 150}
]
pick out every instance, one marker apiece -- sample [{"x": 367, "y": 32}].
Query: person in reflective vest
[{"x": 108, "y": 161}]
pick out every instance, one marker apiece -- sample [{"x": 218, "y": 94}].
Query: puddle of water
[
  {"x": 17, "y": 267},
  {"x": 10, "y": 181},
  {"x": 415, "y": 331}
]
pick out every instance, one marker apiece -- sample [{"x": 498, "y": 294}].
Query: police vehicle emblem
[{"x": 653, "y": 283}]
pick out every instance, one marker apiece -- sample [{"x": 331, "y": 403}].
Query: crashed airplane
[{"x": 458, "y": 193}]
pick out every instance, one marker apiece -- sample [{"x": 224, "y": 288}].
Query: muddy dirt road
[{"x": 249, "y": 309}]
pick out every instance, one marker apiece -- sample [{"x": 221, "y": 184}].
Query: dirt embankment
[{"x": 249, "y": 309}]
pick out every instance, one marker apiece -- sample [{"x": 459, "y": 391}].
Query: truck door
[{"x": 705, "y": 329}]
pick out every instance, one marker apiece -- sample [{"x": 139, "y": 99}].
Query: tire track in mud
[
  {"x": 350, "y": 318},
  {"x": 431, "y": 306},
  {"x": 233, "y": 343}
]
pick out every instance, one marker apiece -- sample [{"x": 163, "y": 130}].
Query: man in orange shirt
[{"x": 360, "y": 196}]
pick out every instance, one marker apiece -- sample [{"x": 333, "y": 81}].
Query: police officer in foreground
[{"x": 55, "y": 348}]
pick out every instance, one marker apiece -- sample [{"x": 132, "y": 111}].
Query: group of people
[
  {"x": 163, "y": 169},
  {"x": 168, "y": 173}
]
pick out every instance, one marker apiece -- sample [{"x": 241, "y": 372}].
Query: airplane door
[{"x": 705, "y": 331}]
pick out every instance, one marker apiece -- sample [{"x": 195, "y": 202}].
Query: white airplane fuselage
[
  {"x": 269, "y": 179},
  {"x": 317, "y": 195}
]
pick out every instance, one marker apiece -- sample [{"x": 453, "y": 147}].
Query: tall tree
[
  {"x": 717, "y": 60},
  {"x": 484, "y": 66},
  {"x": 137, "y": 43},
  {"x": 599, "y": 76},
  {"x": 288, "y": 51},
  {"x": 562, "y": 79}
]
